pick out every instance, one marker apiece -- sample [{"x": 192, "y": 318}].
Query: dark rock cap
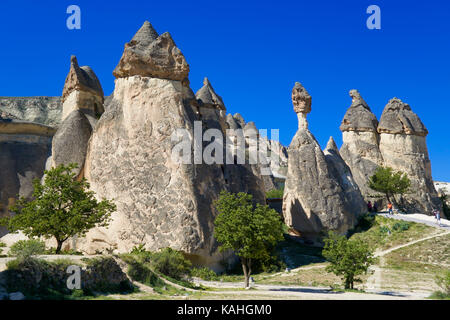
[
  {"x": 150, "y": 55},
  {"x": 359, "y": 117},
  {"x": 208, "y": 97},
  {"x": 82, "y": 79},
  {"x": 398, "y": 118},
  {"x": 301, "y": 99}
]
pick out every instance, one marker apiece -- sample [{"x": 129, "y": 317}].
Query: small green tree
[
  {"x": 249, "y": 230},
  {"x": 389, "y": 182},
  {"x": 62, "y": 207},
  {"x": 348, "y": 258},
  {"x": 445, "y": 206}
]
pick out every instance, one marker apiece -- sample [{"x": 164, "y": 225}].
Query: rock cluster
[
  {"x": 160, "y": 202},
  {"x": 319, "y": 193},
  {"x": 397, "y": 141},
  {"x": 43, "y": 110}
]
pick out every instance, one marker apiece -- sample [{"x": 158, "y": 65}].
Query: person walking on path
[
  {"x": 437, "y": 215},
  {"x": 389, "y": 208},
  {"x": 375, "y": 207},
  {"x": 369, "y": 206}
]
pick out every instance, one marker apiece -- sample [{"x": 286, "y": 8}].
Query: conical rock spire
[
  {"x": 208, "y": 97},
  {"x": 150, "y": 55}
]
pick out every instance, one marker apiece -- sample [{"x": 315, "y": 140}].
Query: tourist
[
  {"x": 369, "y": 206},
  {"x": 390, "y": 208},
  {"x": 375, "y": 207},
  {"x": 437, "y": 215}
]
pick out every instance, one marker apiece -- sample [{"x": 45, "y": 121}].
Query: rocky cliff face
[
  {"x": 313, "y": 199},
  {"x": 360, "y": 148},
  {"x": 403, "y": 146},
  {"x": 24, "y": 148},
  {"x": 43, "y": 110},
  {"x": 161, "y": 202}
]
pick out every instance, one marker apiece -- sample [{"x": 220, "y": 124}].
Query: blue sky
[{"x": 253, "y": 52}]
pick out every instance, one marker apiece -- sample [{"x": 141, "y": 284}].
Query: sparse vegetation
[
  {"x": 205, "y": 274},
  {"x": 24, "y": 249},
  {"x": 275, "y": 193},
  {"x": 62, "y": 207},
  {"x": 250, "y": 231},
  {"x": 348, "y": 258},
  {"x": 390, "y": 183}
]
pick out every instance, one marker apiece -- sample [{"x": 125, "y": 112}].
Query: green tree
[
  {"x": 445, "y": 206},
  {"x": 249, "y": 230},
  {"x": 348, "y": 258},
  {"x": 62, "y": 207},
  {"x": 389, "y": 182}
]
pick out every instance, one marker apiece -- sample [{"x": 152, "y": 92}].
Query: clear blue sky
[{"x": 253, "y": 52}]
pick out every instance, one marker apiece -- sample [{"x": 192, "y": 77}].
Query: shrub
[
  {"x": 444, "y": 283},
  {"x": 384, "y": 230},
  {"x": 204, "y": 273},
  {"x": 275, "y": 193},
  {"x": 401, "y": 226},
  {"x": 24, "y": 249},
  {"x": 171, "y": 263},
  {"x": 2, "y": 245}
]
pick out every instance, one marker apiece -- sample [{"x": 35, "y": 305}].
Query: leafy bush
[
  {"x": 2, "y": 245},
  {"x": 138, "y": 249},
  {"x": 24, "y": 249},
  {"x": 171, "y": 263},
  {"x": 384, "y": 230},
  {"x": 275, "y": 193},
  {"x": 204, "y": 273},
  {"x": 401, "y": 226}
]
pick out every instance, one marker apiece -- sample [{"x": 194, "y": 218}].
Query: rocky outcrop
[
  {"x": 41, "y": 110},
  {"x": 82, "y": 105},
  {"x": 161, "y": 202},
  {"x": 313, "y": 199},
  {"x": 24, "y": 148},
  {"x": 403, "y": 146},
  {"x": 360, "y": 148},
  {"x": 151, "y": 55},
  {"x": 343, "y": 175}
]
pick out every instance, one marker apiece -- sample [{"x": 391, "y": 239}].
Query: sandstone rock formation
[
  {"x": 343, "y": 175},
  {"x": 82, "y": 105},
  {"x": 24, "y": 148},
  {"x": 150, "y": 55},
  {"x": 403, "y": 146},
  {"x": 313, "y": 199},
  {"x": 43, "y": 110},
  {"x": 160, "y": 201},
  {"x": 360, "y": 143}
]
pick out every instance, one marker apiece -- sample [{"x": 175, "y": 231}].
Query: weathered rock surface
[
  {"x": 343, "y": 175},
  {"x": 403, "y": 146},
  {"x": 83, "y": 104},
  {"x": 313, "y": 200},
  {"x": 150, "y": 55},
  {"x": 24, "y": 148},
  {"x": 360, "y": 148},
  {"x": 42, "y": 110},
  {"x": 70, "y": 142}
]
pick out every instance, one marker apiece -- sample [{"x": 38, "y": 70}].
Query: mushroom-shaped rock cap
[
  {"x": 301, "y": 99},
  {"x": 359, "y": 117},
  {"x": 208, "y": 97},
  {"x": 82, "y": 79},
  {"x": 150, "y": 55},
  {"x": 398, "y": 118}
]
